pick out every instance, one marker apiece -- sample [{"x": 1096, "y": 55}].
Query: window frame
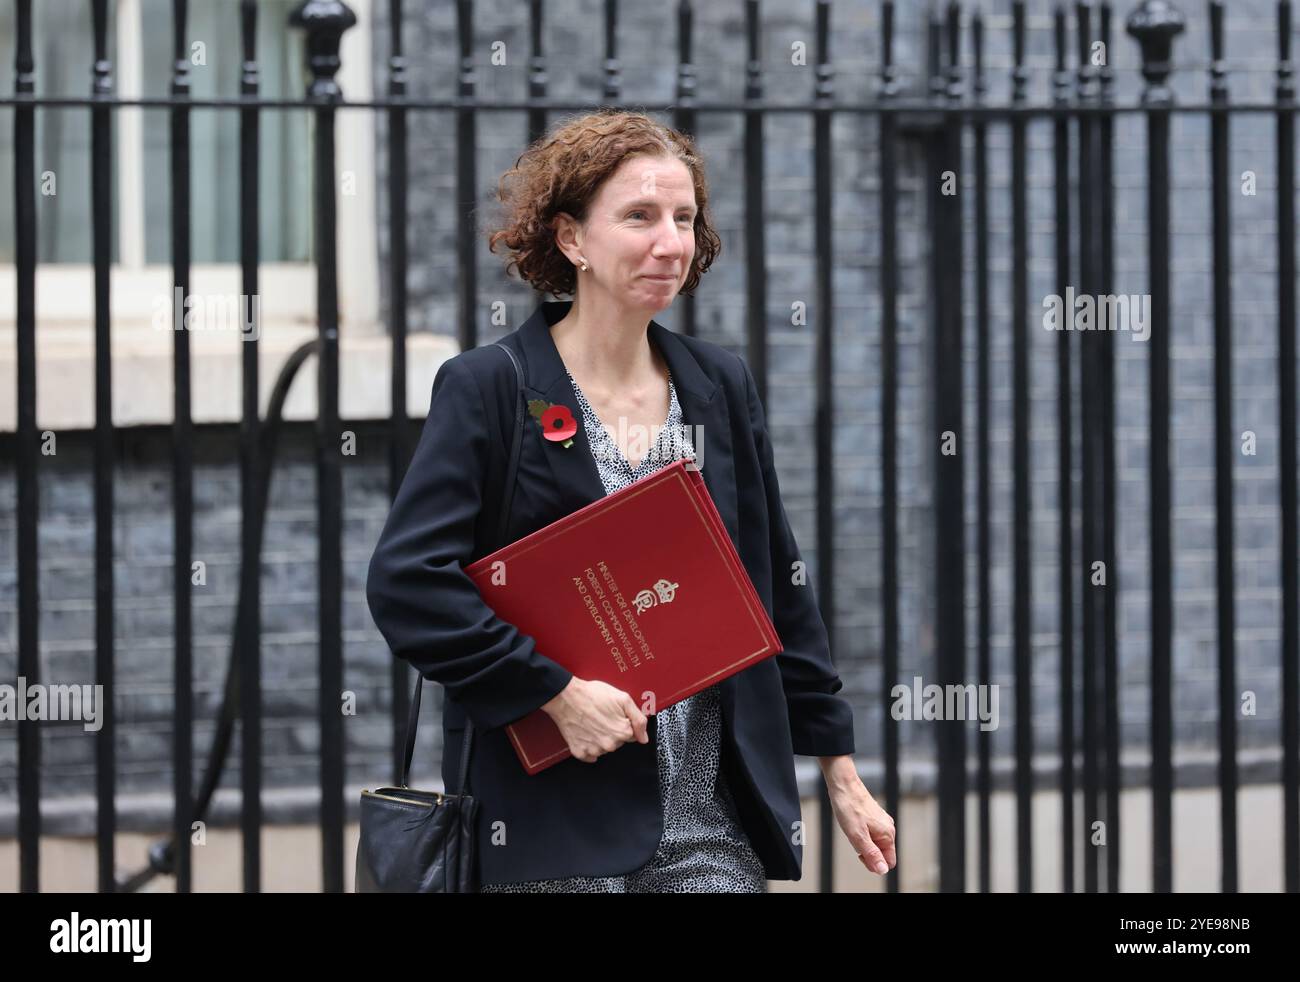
[
  {"x": 142, "y": 354},
  {"x": 65, "y": 291}
]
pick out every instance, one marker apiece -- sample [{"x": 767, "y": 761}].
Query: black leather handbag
[{"x": 425, "y": 841}]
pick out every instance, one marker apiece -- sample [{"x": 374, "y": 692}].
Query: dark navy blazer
[{"x": 602, "y": 818}]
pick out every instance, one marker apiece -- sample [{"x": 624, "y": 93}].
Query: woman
[{"x": 612, "y": 209}]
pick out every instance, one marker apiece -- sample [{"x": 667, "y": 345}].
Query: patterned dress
[{"x": 703, "y": 848}]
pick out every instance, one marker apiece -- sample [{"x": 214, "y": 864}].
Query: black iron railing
[{"x": 1081, "y": 114}]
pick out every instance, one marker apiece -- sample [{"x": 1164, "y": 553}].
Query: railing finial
[
  {"x": 324, "y": 21},
  {"x": 102, "y": 71},
  {"x": 1154, "y": 24}
]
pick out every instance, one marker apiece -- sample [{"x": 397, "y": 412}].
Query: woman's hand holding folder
[{"x": 596, "y": 718}]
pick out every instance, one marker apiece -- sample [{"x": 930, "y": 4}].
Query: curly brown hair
[{"x": 563, "y": 171}]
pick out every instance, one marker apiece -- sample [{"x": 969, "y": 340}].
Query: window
[{"x": 140, "y": 44}]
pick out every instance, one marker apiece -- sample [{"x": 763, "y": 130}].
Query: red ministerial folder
[{"x": 642, "y": 589}]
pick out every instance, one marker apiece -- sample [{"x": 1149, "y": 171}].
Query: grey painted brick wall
[
  {"x": 1251, "y": 44},
  {"x": 143, "y": 527},
  {"x": 143, "y": 608}
]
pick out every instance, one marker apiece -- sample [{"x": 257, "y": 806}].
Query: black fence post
[
  {"x": 29, "y": 738},
  {"x": 1154, "y": 24},
  {"x": 325, "y": 21},
  {"x": 684, "y": 119},
  {"x": 249, "y": 624},
  {"x": 755, "y": 225},
  {"x": 889, "y": 88},
  {"x": 101, "y": 202},
  {"x": 613, "y": 86},
  {"x": 1110, "y": 605},
  {"x": 1022, "y": 572},
  {"x": 983, "y": 543},
  {"x": 1286, "y": 377},
  {"x": 949, "y": 465},
  {"x": 182, "y": 454},
  {"x": 823, "y": 359},
  {"x": 399, "y": 671},
  {"x": 1061, "y": 85},
  {"x": 466, "y": 182},
  {"x": 1225, "y": 449},
  {"x": 1089, "y": 447},
  {"x": 537, "y": 79}
]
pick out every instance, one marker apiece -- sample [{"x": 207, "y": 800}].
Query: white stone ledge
[
  {"x": 142, "y": 349},
  {"x": 142, "y": 377}
]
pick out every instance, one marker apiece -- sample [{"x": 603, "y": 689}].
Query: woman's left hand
[{"x": 869, "y": 827}]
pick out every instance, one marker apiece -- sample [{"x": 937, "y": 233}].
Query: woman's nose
[{"x": 668, "y": 243}]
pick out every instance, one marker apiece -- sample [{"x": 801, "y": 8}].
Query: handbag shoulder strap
[{"x": 512, "y": 470}]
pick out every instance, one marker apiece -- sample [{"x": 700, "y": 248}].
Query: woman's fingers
[
  {"x": 868, "y": 826},
  {"x": 637, "y": 719},
  {"x": 874, "y": 860},
  {"x": 881, "y": 828},
  {"x": 887, "y": 849}
]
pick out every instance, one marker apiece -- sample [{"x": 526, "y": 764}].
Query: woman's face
[{"x": 639, "y": 239}]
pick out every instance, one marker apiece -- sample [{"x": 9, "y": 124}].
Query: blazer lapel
[
  {"x": 576, "y": 480},
  {"x": 704, "y": 411}
]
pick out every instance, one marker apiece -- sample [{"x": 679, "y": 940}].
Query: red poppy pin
[{"x": 557, "y": 420}]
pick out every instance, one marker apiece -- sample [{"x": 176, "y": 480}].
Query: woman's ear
[{"x": 567, "y": 235}]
